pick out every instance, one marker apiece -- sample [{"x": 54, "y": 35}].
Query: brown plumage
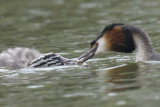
[{"x": 115, "y": 39}]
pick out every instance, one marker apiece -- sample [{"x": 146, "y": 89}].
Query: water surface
[{"x": 67, "y": 27}]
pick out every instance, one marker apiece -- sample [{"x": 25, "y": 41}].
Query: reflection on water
[{"x": 122, "y": 78}]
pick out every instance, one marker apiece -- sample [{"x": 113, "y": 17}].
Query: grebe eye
[{"x": 92, "y": 43}]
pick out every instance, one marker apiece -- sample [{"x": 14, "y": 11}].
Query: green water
[{"x": 66, "y": 27}]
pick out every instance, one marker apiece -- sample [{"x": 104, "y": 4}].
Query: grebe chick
[
  {"x": 16, "y": 58},
  {"x": 122, "y": 38}
]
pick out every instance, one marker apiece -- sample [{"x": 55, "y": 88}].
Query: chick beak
[{"x": 88, "y": 55}]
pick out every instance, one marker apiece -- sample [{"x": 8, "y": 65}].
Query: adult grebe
[
  {"x": 122, "y": 38},
  {"x": 16, "y": 58}
]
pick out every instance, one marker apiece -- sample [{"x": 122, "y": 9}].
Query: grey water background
[{"x": 66, "y": 27}]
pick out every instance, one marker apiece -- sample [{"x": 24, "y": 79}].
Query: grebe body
[
  {"x": 16, "y": 58},
  {"x": 123, "y": 38}
]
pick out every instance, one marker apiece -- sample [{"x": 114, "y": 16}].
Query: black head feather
[
  {"x": 129, "y": 42},
  {"x": 107, "y": 28}
]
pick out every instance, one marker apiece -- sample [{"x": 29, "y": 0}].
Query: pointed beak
[{"x": 88, "y": 55}]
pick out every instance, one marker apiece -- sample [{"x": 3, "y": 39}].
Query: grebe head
[{"x": 115, "y": 37}]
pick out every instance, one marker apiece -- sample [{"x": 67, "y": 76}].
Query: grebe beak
[{"x": 88, "y": 55}]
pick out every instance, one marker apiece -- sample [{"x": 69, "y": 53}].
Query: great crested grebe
[
  {"x": 122, "y": 38},
  {"x": 16, "y": 58}
]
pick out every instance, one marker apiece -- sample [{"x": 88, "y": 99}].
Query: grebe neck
[{"x": 143, "y": 45}]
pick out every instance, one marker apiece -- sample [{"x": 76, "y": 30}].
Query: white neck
[{"x": 144, "y": 50}]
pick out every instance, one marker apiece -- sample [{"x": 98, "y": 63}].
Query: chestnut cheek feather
[{"x": 116, "y": 40}]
